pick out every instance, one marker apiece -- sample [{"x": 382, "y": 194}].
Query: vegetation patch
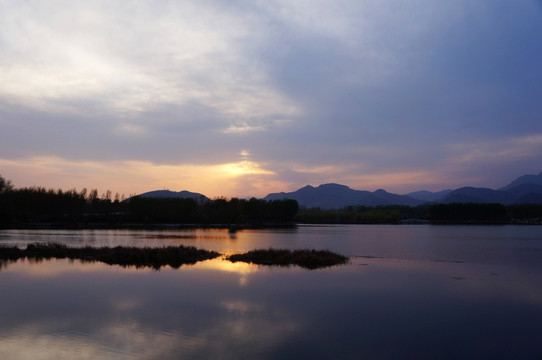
[
  {"x": 309, "y": 259},
  {"x": 174, "y": 256}
]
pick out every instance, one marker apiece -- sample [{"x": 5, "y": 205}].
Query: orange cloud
[{"x": 129, "y": 177}]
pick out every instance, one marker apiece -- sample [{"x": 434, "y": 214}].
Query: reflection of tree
[
  {"x": 4, "y": 264},
  {"x": 465, "y": 212},
  {"x": 173, "y": 256}
]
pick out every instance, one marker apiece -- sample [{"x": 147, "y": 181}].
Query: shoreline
[
  {"x": 236, "y": 227},
  {"x": 142, "y": 226}
]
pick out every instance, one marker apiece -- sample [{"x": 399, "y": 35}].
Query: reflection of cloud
[
  {"x": 120, "y": 321},
  {"x": 131, "y": 340},
  {"x": 238, "y": 324},
  {"x": 115, "y": 341},
  {"x": 46, "y": 269},
  {"x": 481, "y": 281},
  {"x": 242, "y": 307},
  {"x": 127, "y": 304}
]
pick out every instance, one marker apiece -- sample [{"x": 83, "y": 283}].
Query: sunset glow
[{"x": 237, "y": 100}]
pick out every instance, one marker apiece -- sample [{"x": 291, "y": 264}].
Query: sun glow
[
  {"x": 135, "y": 177},
  {"x": 243, "y": 168}
]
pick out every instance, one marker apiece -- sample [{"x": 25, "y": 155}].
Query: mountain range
[
  {"x": 332, "y": 196},
  {"x": 526, "y": 189}
]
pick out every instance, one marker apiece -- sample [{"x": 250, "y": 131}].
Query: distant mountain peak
[
  {"x": 333, "y": 186},
  {"x": 164, "y": 194},
  {"x": 525, "y": 179},
  {"x": 525, "y": 189},
  {"x": 336, "y": 196},
  {"x": 424, "y": 195}
]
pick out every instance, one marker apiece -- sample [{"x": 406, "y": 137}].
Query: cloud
[
  {"x": 129, "y": 129},
  {"x": 502, "y": 151},
  {"x": 133, "y": 59},
  {"x": 242, "y": 128},
  {"x": 213, "y": 180},
  {"x": 351, "y": 89}
]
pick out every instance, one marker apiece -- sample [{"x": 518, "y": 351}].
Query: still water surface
[{"x": 409, "y": 292}]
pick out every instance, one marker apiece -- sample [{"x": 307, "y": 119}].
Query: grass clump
[
  {"x": 174, "y": 256},
  {"x": 309, "y": 259}
]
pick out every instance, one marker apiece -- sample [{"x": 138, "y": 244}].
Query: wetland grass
[
  {"x": 309, "y": 259},
  {"x": 174, "y": 256}
]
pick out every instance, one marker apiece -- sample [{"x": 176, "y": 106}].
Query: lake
[{"x": 408, "y": 292}]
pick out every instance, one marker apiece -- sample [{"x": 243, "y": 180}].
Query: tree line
[
  {"x": 455, "y": 213},
  {"x": 20, "y": 206},
  {"x": 40, "y": 205},
  {"x": 217, "y": 211}
]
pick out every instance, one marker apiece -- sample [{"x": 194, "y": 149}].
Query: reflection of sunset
[
  {"x": 241, "y": 268},
  {"x": 228, "y": 266},
  {"x": 51, "y": 268},
  {"x": 476, "y": 280}
]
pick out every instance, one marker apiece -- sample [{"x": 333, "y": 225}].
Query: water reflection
[
  {"x": 167, "y": 315},
  {"x": 387, "y": 305},
  {"x": 172, "y": 256},
  {"x": 110, "y": 237},
  {"x": 239, "y": 268},
  {"x": 382, "y": 310}
]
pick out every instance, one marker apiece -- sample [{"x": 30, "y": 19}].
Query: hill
[
  {"x": 424, "y": 195},
  {"x": 524, "y": 189},
  {"x": 335, "y": 196},
  {"x": 520, "y": 194},
  {"x": 162, "y": 194},
  {"x": 525, "y": 179},
  {"x": 470, "y": 194}
]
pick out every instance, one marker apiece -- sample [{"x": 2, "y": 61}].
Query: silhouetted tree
[
  {"x": 467, "y": 212},
  {"x": 92, "y": 196},
  {"x": 5, "y": 185},
  {"x": 524, "y": 212}
]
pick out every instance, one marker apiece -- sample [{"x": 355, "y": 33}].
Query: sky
[{"x": 243, "y": 98}]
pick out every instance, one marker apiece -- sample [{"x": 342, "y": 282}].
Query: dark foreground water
[{"x": 409, "y": 292}]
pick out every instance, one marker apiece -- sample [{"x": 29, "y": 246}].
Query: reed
[
  {"x": 174, "y": 256},
  {"x": 309, "y": 259}
]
